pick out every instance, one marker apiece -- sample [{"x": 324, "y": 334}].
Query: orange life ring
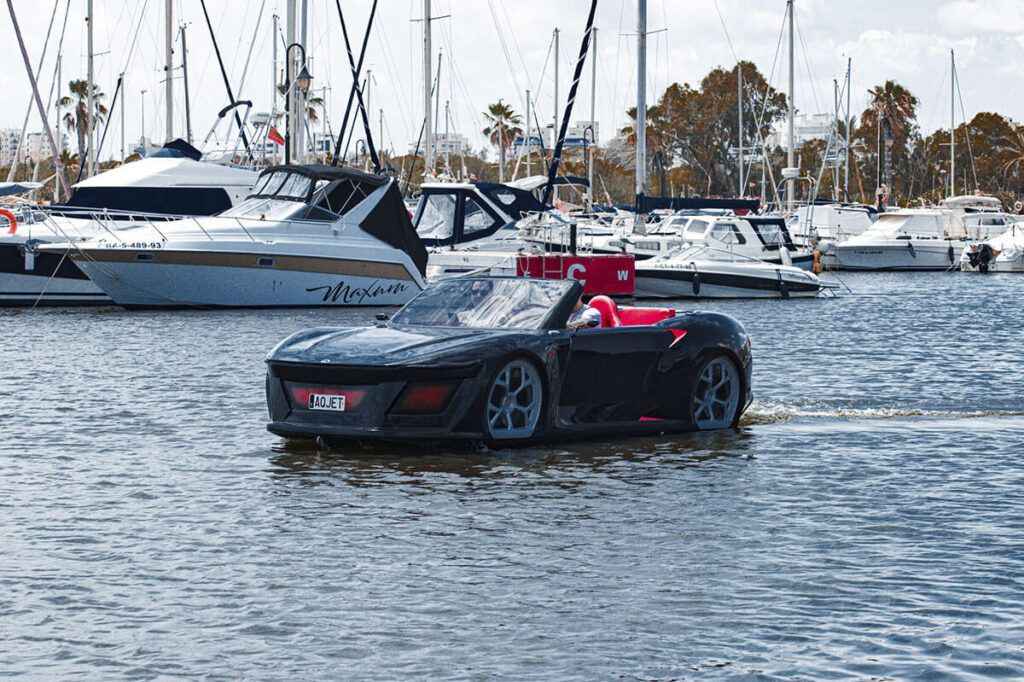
[{"x": 11, "y": 219}]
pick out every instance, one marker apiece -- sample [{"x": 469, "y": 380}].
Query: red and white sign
[{"x": 611, "y": 274}]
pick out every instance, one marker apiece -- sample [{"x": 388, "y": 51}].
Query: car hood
[{"x": 383, "y": 345}]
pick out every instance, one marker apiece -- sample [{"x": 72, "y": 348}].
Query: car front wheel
[
  {"x": 515, "y": 400},
  {"x": 716, "y": 396}
]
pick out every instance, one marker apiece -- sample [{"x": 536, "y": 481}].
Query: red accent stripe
[{"x": 679, "y": 334}]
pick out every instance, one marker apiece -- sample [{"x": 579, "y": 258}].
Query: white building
[
  {"x": 806, "y": 127},
  {"x": 578, "y": 136},
  {"x": 445, "y": 143},
  {"x": 8, "y": 145}
]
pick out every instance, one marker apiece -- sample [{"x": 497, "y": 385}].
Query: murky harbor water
[{"x": 866, "y": 521}]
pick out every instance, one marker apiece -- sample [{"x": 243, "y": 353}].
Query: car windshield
[{"x": 484, "y": 303}]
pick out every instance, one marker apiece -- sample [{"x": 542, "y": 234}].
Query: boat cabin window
[
  {"x": 436, "y": 216},
  {"x": 296, "y": 186},
  {"x": 771, "y": 234},
  {"x": 727, "y": 233},
  {"x": 284, "y": 185},
  {"x": 506, "y": 198},
  {"x": 475, "y": 218},
  {"x": 696, "y": 228},
  {"x": 340, "y": 196}
]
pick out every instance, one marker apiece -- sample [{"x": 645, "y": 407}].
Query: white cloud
[{"x": 982, "y": 16}]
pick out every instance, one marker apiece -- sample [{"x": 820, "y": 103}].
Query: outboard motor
[{"x": 981, "y": 257}]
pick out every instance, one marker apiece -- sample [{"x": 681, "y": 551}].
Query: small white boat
[
  {"x": 703, "y": 272},
  {"x": 307, "y": 236},
  {"x": 1004, "y": 253}
]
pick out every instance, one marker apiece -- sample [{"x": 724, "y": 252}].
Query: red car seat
[
  {"x": 609, "y": 311},
  {"x": 644, "y": 316}
]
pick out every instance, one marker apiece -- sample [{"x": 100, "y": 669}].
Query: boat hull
[
  {"x": 244, "y": 280},
  {"x": 679, "y": 283},
  {"x": 45, "y": 279},
  {"x": 932, "y": 254}
]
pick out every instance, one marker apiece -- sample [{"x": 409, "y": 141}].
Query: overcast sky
[{"x": 498, "y": 48}]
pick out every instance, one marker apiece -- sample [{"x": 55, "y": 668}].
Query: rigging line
[
  {"x": 355, "y": 77},
  {"x": 508, "y": 58},
  {"x": 807, "y": 63},
  {"x": 726, "y": 30},
  {"x": 227, "y": 83},
  {"x": 515, "y": 41},
  {"x": 248, "y": 57},
  {"x": 967, "y": 128},
  {"x": 459, "y": 80},
  {"x": 28, "y": 110},
  {"x": 936, "y": 99}
]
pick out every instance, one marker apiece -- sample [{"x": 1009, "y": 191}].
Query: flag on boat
[{"x": 275, "y": 136}]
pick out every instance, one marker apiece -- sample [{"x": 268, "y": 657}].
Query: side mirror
[{"x": 383, "y": 317}]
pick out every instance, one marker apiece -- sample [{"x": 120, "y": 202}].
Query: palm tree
[
  {"x": 76, "y": 118},
  {"x": 892, "y": 101},
  {"x": 312, "y": 104},
  {"x": 502, "y": 128}
]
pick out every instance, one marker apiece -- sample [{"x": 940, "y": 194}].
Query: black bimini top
[{"x": 339, "y": 189}]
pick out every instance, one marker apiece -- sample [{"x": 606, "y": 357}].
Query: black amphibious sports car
[{"x": 490, "y": 359}]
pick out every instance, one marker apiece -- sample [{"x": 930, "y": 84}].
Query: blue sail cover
[{"x": 697, "y": 203}]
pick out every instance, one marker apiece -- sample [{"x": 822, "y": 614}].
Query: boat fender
[
  {"x": 910, "y": 247},
  {"x": 783, "y": 289},
  {"x": 950, "y": 252},
  {"x": 696, "y": 281},
  {"x": 11, "y": 219},
  {"x": 816, "y": 268}
]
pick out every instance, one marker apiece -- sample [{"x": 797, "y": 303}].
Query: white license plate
[{"x": 327, "y": 401}]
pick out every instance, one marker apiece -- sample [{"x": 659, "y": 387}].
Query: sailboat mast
[
  {"x": 593, "y": 104},
  {"x": 952, "y": 124},
  {"x": 790, "y": 152},
  {"x": 184, "y": 79},
  {"x": 168, "y": 70},
  {"x": 846, "y": 179},
  {"x": 428, "y": 127},
  {"x": 739, "y": 128},
  {"x": 641, "y": 104},
  {"x": 91, "y": 157},
  {"x": 554, "y": 127}
]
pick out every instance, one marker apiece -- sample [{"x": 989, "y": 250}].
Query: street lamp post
[
  {"x": 589, "y": 151},
  {"x": 301, "y": 83}
]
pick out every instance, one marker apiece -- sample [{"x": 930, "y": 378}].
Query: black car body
[{"x": 503, "y": 368}]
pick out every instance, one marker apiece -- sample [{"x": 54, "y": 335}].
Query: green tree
[
  {"x": 697, "y": 127},
  {"x": 502, "y": 128},
  {"x": 76, "y": 114}
]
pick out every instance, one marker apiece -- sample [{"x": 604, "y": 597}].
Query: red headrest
[{"x": 609, "y": 311}]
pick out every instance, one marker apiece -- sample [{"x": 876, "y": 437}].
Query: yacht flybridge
[{"x": 308, "y": 235}]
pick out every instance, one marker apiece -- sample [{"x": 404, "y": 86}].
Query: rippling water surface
[{"x": 867, "y": 519}]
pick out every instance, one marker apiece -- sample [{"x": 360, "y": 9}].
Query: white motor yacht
[
  {"x": 921, "y": 238},
  {"x": 702, "y": 272},
  {"x": 762, "y": 238},
  {"x": 173, "y": 181},
  {"x": 832, "y": 221},
  {"x": 307, "y": 236}
]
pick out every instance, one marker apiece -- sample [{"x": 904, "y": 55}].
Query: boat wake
[{"x": 772, "y": 412}]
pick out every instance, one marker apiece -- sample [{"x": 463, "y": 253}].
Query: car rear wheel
[
  {"x": 716, "y": 397},
  {"x": 515, "y": 400}
]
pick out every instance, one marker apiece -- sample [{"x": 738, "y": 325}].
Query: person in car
[{"x": 583, "y": 316}]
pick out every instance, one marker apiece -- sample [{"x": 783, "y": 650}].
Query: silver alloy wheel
[
  {"x": 514, "y": 401},
  {"x": 716, "y": 396}
]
